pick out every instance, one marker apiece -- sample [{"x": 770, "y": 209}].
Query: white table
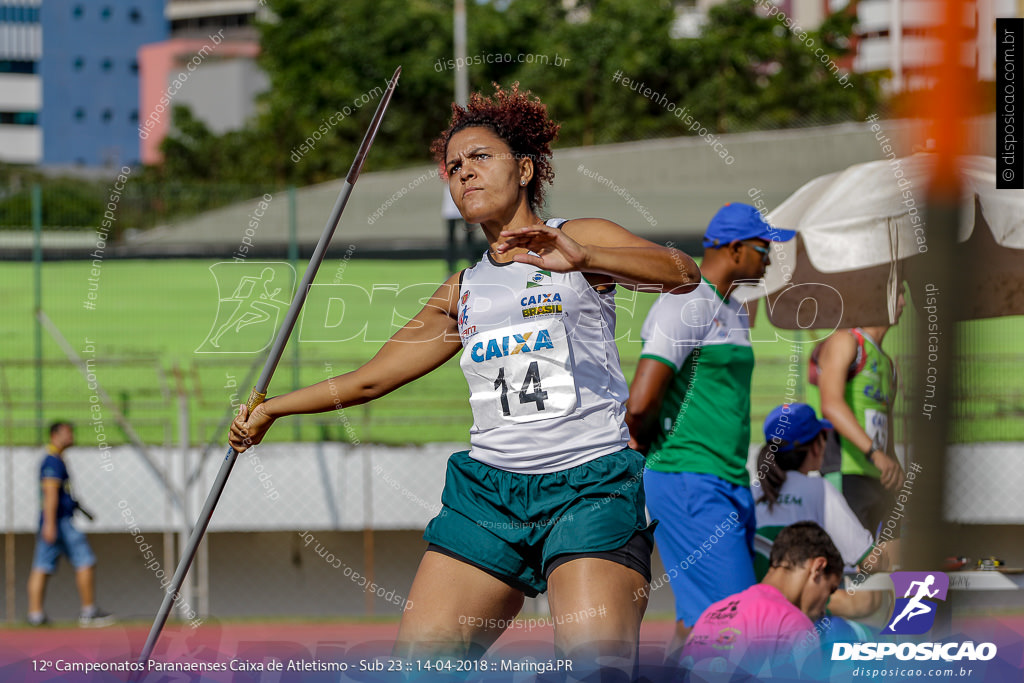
[{"x": 973, "y": 580}]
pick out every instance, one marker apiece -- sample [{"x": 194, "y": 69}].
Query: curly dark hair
[{"x": 518, "y": 118}]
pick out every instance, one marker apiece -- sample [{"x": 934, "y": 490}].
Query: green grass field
[{"x": 149, "y": 322}]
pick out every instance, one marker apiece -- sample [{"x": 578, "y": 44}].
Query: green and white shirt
[
  {"x": 803, "y": 498},
  {"x": 704, "y": 423}
]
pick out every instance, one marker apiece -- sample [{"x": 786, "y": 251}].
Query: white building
[
  {"x": 21, "y": 91},
  {"x": 220, "y": 91},
  {"x": 892, "y": 35},
  {"x": 691, "y": 15}
]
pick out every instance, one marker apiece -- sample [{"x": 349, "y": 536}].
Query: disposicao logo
[{"x": 913, "y": 614}]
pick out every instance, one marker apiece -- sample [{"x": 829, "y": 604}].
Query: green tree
[
  {"x": 601, "y": 38},
  {"x": 748, "y": 71},
  {"x": 328, "y": 63},
  {"x": 326, "y": 58},
  {"x": 66, "y": 203}
]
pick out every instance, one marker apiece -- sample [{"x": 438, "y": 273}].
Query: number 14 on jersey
[
  {"x": 525, "y": 396},
  {"x": 525, "y": 385}
]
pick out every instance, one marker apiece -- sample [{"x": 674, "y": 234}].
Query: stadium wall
[
  {"x": 260, "y": 574},
  {"x": 342, "y": 518}
]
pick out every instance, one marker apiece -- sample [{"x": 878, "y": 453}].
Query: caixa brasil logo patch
[{"x": 914, "y": 613}]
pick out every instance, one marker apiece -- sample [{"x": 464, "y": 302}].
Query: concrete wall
[
  {"x": 276, "y": 574},
  {"x": 273, "y": 487},
  {"x": 222, "y": 94},
  {"x": 262, "y": 562},
  {"x": 250, "y": 575},
  {"x": 333, "y": 487},
  {"x": 256, "y": 574}
]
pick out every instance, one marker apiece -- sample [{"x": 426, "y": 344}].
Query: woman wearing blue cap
[{"x": 794, "y": 448}]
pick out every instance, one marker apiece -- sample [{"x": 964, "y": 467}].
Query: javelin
[{"x": 259, "y": 392}]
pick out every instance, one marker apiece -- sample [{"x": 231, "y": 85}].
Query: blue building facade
[{"x": 90, "y": 78}]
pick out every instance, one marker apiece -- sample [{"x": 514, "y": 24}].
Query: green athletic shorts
[{"x": 515, "y": 524}]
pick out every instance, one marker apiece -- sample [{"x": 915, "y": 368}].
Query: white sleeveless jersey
[
  {"x": 803, "y": 498},
  {"x": 539, "y": 355}
]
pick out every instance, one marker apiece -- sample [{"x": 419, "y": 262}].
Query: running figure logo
[
  {"x": 247, "y": 318},
  {"x": 914, "y": 613}
]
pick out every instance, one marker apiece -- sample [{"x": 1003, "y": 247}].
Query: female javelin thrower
[{"x": 548, "y": 497}]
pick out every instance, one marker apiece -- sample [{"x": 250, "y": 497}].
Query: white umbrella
[
  {"x": 992, "y": 232},
  {"x": 856, "y": 228}
]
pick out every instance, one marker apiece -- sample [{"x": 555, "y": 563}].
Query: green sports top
[
  {"x": 870, "y": 395},
  {"x": 704, "y": 421}
]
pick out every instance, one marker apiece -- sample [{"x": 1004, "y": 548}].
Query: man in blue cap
[{"x": 689, "y": 411}]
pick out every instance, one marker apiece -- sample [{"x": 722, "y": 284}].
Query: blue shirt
[{"x": 54, "y": 468}]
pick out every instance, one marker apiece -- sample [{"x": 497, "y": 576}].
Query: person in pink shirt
[{"x": 768, "y": 629}]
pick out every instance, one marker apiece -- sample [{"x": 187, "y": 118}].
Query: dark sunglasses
[{"x": 765, "y": 252}]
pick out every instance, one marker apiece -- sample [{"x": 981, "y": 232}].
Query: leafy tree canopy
[{"x": 328, "y": 63}]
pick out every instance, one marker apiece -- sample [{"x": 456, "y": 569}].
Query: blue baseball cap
[
  {"x": 793, "y": 424},
  {"x": 741, "y": 222}
]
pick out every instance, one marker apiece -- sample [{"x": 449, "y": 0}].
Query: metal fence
[
  {"x": 80, "y": 205},
  {"x": 158, "y": 400}
]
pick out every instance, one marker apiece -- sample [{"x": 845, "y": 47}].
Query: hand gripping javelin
[{"x": 259, "y": 392}]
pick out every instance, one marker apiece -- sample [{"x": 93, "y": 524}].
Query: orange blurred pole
[{"x": 945, "y": 107}]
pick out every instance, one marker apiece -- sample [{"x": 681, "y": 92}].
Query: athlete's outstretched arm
[
  {"x": 598, "y": 246},
  {"x": 423, "y": 344}
]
